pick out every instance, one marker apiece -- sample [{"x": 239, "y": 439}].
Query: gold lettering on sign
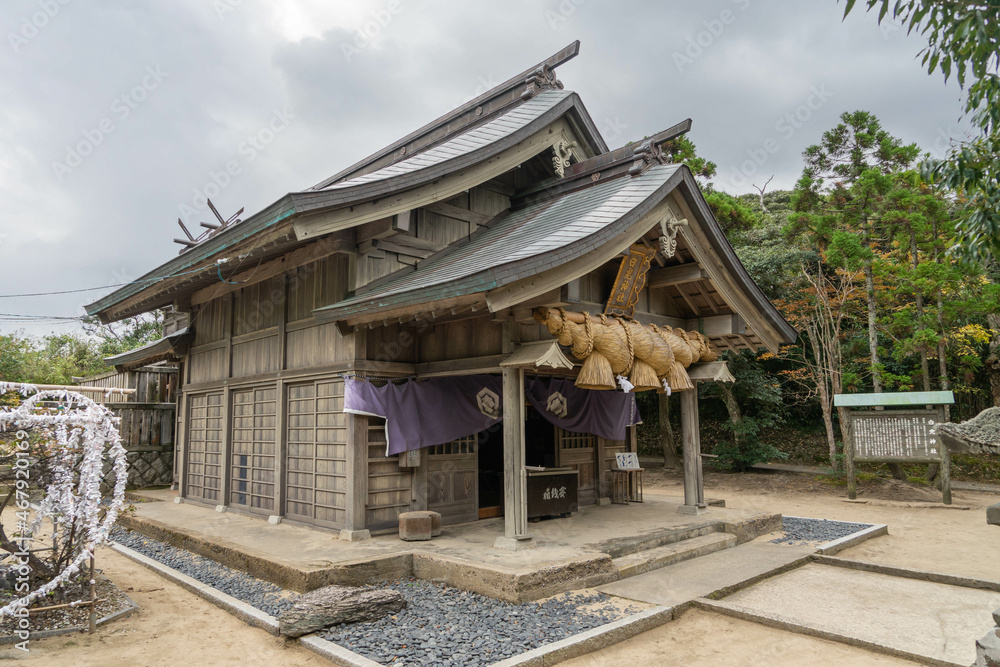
[{"x": 630, "y": 281}]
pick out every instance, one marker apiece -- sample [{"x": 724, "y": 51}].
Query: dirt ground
[{"x": 176, "y": 627}]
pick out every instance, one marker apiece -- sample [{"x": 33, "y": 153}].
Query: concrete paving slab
[
  {"x": 574, "y": 552},
  {"x": 936, "y": 621},
  {"x": 678, "y": 584}
]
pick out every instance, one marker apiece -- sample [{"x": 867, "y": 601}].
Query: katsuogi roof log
[{"x": 647, "y": 354}]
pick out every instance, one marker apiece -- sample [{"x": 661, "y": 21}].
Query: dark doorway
[
  {"x": 539, "y": 440},
  {"x": 491, "y": 472}
]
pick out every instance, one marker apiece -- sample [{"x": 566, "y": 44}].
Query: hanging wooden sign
[{"x": 630, "y": 281}]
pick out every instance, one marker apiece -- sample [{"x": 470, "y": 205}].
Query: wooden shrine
[{"x": 503, "y": 238}]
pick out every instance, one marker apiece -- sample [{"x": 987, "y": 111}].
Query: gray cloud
[{"x": 351, "y": 77}]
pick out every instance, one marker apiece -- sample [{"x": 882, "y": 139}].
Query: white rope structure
[{"x": 78, "y": 426}]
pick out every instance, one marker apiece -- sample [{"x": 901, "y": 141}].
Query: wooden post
[
  {"x": 418, "y": 483},
  {"x": 280, "y": 452},
  {"x": 515, "y": 481},
  {"x": 93, "y": 597},
  {"x": 852, "y": 487},
  {"x": 180, "y": 446},
  {"x": 945, "y": 473},
  {"x": 694, "y": 493},
  {"x": 600, "y": 453},
  {"x": 227, "y": 449},
  {"x": 357, "y": 478}
]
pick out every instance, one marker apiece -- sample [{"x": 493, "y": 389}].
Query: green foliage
[
  {"x": 683, "y": 150},
  {"x": 963, "y": 38},
  {"x": 759, "y": 406},
  {"x": 732, "y": 213},
  {"x": 124, "y": 335},
  {"x": 58, "y": 358}
]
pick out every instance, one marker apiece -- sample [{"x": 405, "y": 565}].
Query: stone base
[
  {"x": 179, "y": 500},
  {"x": 274, "y": 519},
  {"x": 221, "y": 508},
  {"x": 692, "y": 509},
  {"x": 355, "y": 535},
  {"x": 988, "y": 650},
  {"x": 514, "y": 543},
  {"x": 993, "y": 515},
  {"x": 602, "y": 502}
]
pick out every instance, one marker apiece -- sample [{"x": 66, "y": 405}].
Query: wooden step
[{"x": 654, "y": 559}]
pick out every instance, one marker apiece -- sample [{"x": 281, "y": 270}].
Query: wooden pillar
[
  {"x": 180, "y": 446},
  {"x": 357, "y": 478},
  {"x": 356, "y": 464},
  {"x": 852, "y": 485},
  {"x": 694, "y": 492},
  {"x": 280, "y": 452},
  {"x": 515, "y": 481},
  {"x": 227, "y": 450},
  {"x": 418, "y": 482}
]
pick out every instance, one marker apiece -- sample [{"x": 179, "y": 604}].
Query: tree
[
  {"x": 818, "y": 311},
  {"x": 754, "y": 403},
  {"x": 126, "y": 334},
  {"x": 846, "y": 177},
  {"x": 963, "y": 38}
]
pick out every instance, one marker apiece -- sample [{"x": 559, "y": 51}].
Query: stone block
[
  {"x": 415, "y": 526},
  {"x": 988, "y": 650},
  {"x": 514, "y": 543},
  {"x": 993, "y": 515},
  {"x": 355, "y": 535},
  {"x": 435, "y": 521}
]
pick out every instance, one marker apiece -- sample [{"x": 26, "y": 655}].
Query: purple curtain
[
  {"x": 604, "y": 413},
  {"x": 432, "y": 412},
  {"x": 428, "y": 412}
]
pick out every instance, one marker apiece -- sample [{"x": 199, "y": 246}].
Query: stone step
[
  {"x": 702, "y": 577},
  {"x": 653, "y": 559}
]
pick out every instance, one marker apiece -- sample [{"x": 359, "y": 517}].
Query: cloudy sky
[{"x": 117, "y": 116}]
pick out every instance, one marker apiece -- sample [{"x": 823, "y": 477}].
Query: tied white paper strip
[
  {"x": 625, "y": 384},
  {"x": 79, "y": 426},
  {"x": 666, "y": 388}
]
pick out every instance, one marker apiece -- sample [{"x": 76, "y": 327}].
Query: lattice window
[
  {"x": 571, "y": 440},
  {"x": 461, "y": 446},
  {"x": 204, "y": 447},
  {"x": 253, "y": 448}
]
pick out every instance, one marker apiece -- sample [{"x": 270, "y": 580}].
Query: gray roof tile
[
  {"x": 486, "y": 260},
  {"x": 493, "y": 131}
]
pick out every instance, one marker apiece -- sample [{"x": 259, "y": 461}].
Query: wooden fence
[
  {"x": 146, "y": 426},
  {"x": 152, "y": 384}
]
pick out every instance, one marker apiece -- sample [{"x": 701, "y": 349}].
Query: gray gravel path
[
  {"x": 263, "y": 595},
  {"x": 447, "y": 626},
  {"x": 441, "y": 625},
  {"x": 809, "y": 531}
]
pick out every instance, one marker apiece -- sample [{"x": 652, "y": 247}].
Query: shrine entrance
[{"x": 579, "y": 451}]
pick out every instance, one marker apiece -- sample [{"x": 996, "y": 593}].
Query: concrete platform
[
  {"x": 715, "y": 573},
  {"x": 572, "y": 553},
  {"x": 931, "y": 622}
]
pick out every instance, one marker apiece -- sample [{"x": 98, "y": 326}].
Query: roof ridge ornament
[
  {"x": 543, "y": 78},
  {"x": 645, "y": 156}
]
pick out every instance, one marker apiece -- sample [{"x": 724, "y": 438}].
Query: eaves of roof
[{"x": 313, "y": 201}]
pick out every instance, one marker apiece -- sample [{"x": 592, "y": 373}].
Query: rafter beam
[{"x": 676, "y": 275}]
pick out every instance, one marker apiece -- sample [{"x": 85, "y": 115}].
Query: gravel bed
[
  {"x": 440, "y": 625},
  {"x": 112, "y": 600},
  {"x": 812, "y": 531},
  {"x": 263, "y": 595},
  {"x": 447, "y": 626}
]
